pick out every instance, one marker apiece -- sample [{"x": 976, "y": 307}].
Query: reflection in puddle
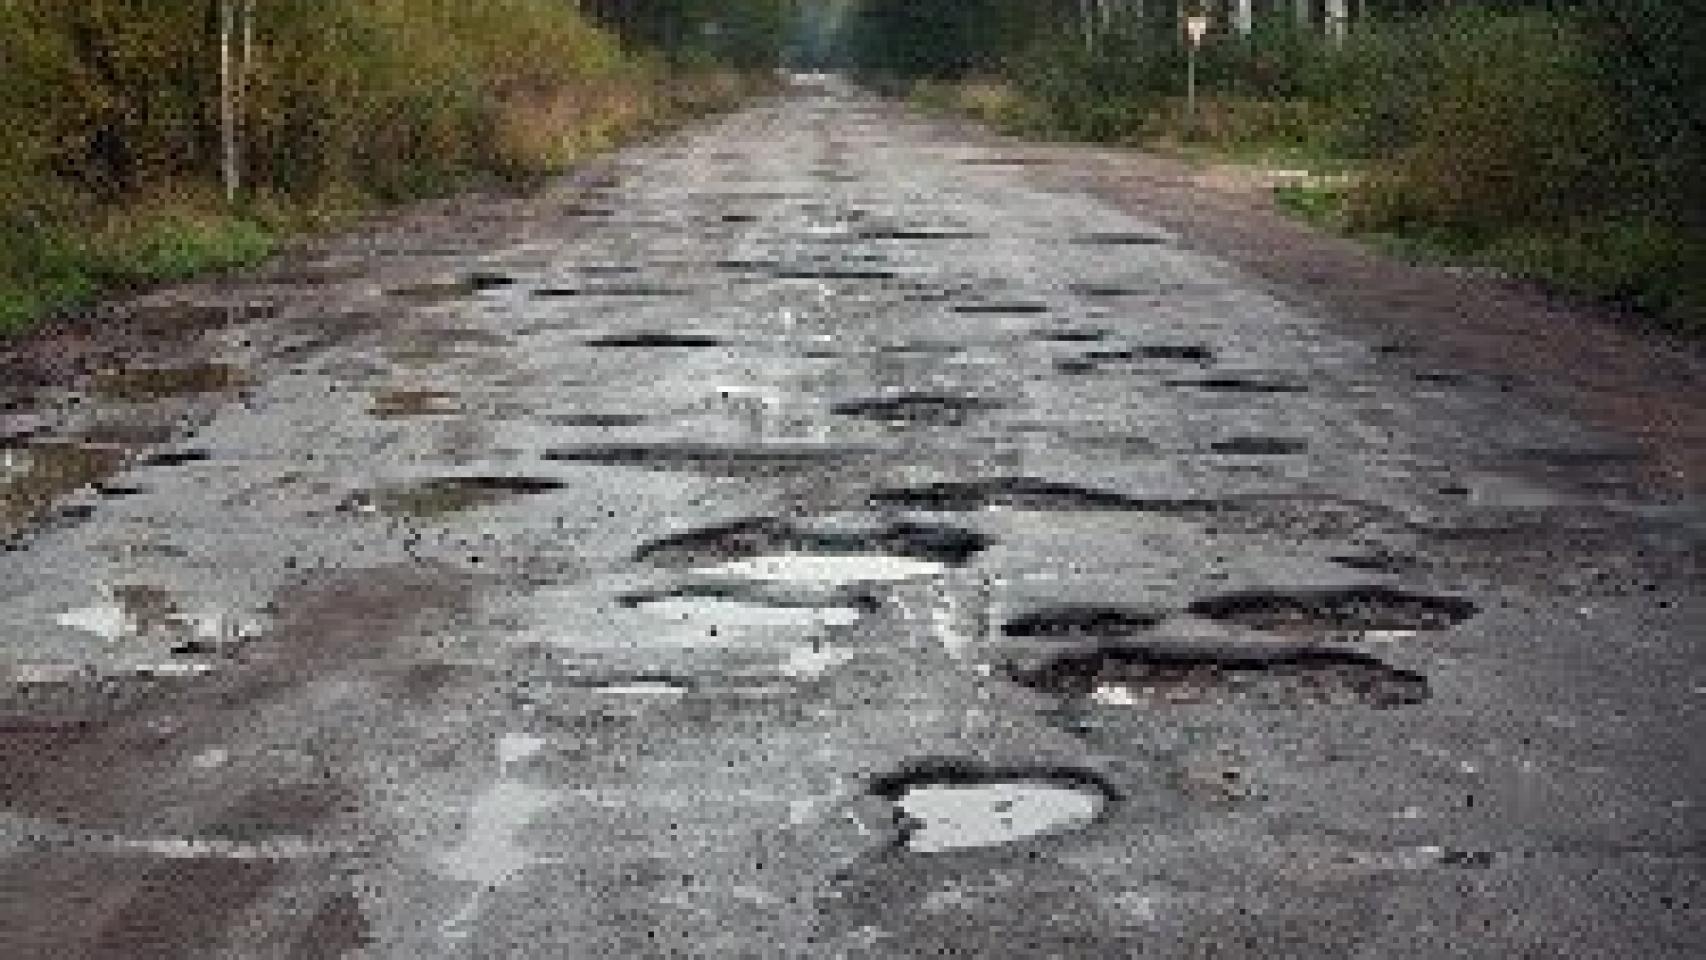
[
  {"x": 33, "y": 478},
  {"x": 732, "y": 613},
  {"x": 957, "y": 817},
  {"x": 158, "y": 383},
  {"x": 833, "y": 568}
]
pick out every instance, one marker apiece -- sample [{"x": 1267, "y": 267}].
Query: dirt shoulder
[{"x": 1605, "y": 369}]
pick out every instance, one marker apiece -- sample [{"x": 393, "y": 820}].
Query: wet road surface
[{"x": 816, "y": 537}]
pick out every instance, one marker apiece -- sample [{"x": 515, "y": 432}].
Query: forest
[
  {"x": 1563, "y": 140},
  {"x": 150, "y": 140}
]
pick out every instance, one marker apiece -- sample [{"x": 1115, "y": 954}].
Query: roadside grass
[{"x": 77, "y": 257}]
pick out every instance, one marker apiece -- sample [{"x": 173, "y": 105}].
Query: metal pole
[{"x": 228, "y": 97}]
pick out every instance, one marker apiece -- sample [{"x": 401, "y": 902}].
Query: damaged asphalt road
[{"x": 816, "y": 535}]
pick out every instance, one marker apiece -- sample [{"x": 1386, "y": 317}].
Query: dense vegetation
[
  {"x": 1565, "y": 139},
  {"x": 111, "y": 168}
]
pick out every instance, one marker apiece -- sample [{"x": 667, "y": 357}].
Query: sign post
[{"x": 1196, "y": 27}]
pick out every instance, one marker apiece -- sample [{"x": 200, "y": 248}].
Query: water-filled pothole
[
  {"x": 158, "y": 383},
  {"x": 34, "y": 477},
  {"x": 656, "y": 340},
  {"x": 390, "y": 404},
  {"x": 1260, "y": 446},
  {"x": 958, "y": 804},
  {"x": 1027, "y": 493},
  {"x": 447, "y": 495},
  {"x": 744, "y": 539},
  {"x": 933, "y": 409},
  {"x": 724, "y": 613},
  {"x": 1336, "y": 609},
  {"x": 1239, "y": 385},
  {"x": 1128, "y": 676},
  {"x": 1074, "y": 622},
  {"x": 710, "y": 458}
]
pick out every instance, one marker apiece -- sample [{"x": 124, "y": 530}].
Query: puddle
[
  {"x": 1136, "y": 677},
  {"x": 33, "y": 478},
  {"x": 649, "y": 341},
  {"x": 745, "y": 539},
  {"x": 1260, "y": 446},
  {"x": 950, "y": 805},
  {"x": 1025, "y": 493},
  {"x": 838, "y": 569},
  {"x": 390, "y": 404},
  {"x": 713, "y": 459},
  {"x": 1115, "y": 239},
  {"x": 728, "y": 613},
  {"x": 455, "y": 494},
  {"x": 1239, "y": 385},
  {"x": 1349, "y": 609},
  {"x": 1071, "y": 622},
  {"x": 158, "y": 383},
  {"x": 934, "y": 409},
  {"x": 141, "y": 611}
]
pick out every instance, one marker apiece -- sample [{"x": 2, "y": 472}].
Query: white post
[
  {"x": 1338, "y": 20},
  {"x": 1302, "y": 9},
  {"x": 228, "y": 98},
  {"x": 1244, "y": 16}
]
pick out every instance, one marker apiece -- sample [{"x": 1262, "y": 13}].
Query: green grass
[{"x": 47, "y": 273}]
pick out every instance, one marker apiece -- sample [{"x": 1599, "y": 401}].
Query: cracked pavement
[{"x": 816, "y": 534}]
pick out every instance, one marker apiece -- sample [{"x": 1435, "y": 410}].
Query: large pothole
[
  {"x": 1239, "y": 384},
  {"x": 929, "y": 409},
  {"x": 448, "y": 495},
  {"x": 1027, "y": 493},
  {"x": 745, "y": 539},
  {"x": 652, "y": 340},
  {"x": 1081, "y": 622},
  {"x": 1336, "y": 610},
  {"x": 956, "y": 804},
  {"x": 711, "y": 458},
  {"x": 1135, "y": 676}
]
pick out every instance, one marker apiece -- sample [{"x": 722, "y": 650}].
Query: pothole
[
  {"x": 1069, "y": 335},
  {"x": 847, "y": 274},
  {"x": 1001, "y": 309},
  {"x": 1074, "y": 622},
  {"x": 1260, "y": 446},
  {"x": 933, "y": 409},
  {"x": 34, "y": 477},
  {"x": 596, "y": 419},
  {"x": 174, "y": 458},
  {"x": 466, "y": 286},
  {"x": 921, "y": 234},
  {"x": 828, "y": 568},
  {"x": 391, "y": 404},
  {"x": 1339, "y": 610},
  {"x": 1094, "y": 360},
  {"x": 449, "y": 495},
  {"x": 745, "y": 539},
  {"x": 1118, "y": 239},
  {"x": 712, "y": 459},
  {"x": 159, "y": 383},
  {"x": 1124, "y": 676},
  {"x": 1239, "y": 385},
  {"x": 1026, "y": 493},
  {"x": 1006, "y": 161},
  {"x": 657, "y": 340},
  {"x": 953, "y": 804},
  {"x": 613, "y": 290}
]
